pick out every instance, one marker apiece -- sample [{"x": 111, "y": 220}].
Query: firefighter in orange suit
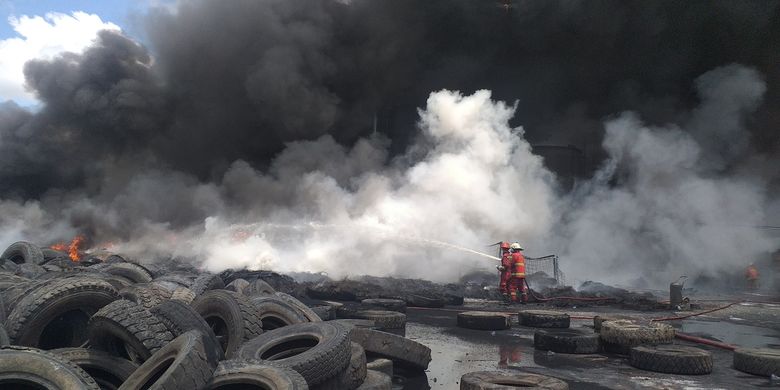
[
  {"x": 505, "y": 268},
  {"x": 751, "y": 274},
  {"x": 517, "y": 277}
]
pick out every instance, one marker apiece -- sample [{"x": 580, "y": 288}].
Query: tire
[
  {"x": 4, "y": 340},
  {"x": 206, "y": 282},
  {"x": 276, "y": 313},
  {"x": 383, "y": 319},
  {"x": 376, "y": 380},
  {"x": 114, "y": 259},
  {"x": 30, "y": 270},
  {"x": 182, "y": 364},
  {"x": 127, "y": 330},
  {"x": 544, "y": 319},
  {"x": 132, "y": 272},
  {"x": 182, "y": 279},
  {"x": 385, "y": 304},
  {"x": 757, "y": 361},
  {"x": 232, "y": 317},
  {"x": 484, "y": 380},
  {"x": 316, "y": 350},
  {"x": 672, "y": 359},
  {"x": 325, "y": 312},
  {"x": 622, "y": 335},
  {"x": 400, "y": 350},
  {"x": 567, "y": 341},
  {"x": 310, "y": 315},
  {"x": 238, "y": 285},
  {"x": 484, "y": 320},
  {"x": 254, "y": 374},
  {"x": 179, "y": 318},
  {"x": 23, "y": 252},
  {"x": 56, "y": 313},
  {"x": 598, "y": 320},
  {"x": 21, "y": 366},
  {"x": 183, "y": 294},
  {"x": 350, "y": 323},
  {"x": 146, "y": 295},
  {"x": 384, "y": 366},
  {"x": 259, "y": 287},
  {"x": 50, "y": 254},
  {"x": 353, "y": 376},
  {"x": 421, "y": 301},
  {"x": 108, "y": 371}
]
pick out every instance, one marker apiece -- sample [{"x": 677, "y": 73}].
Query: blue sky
[{"x": 119, "y": 12}]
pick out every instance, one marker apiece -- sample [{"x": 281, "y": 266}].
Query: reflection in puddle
[
  {"x": 742, "y": 335},
  {"x": 509, "y": 355}
]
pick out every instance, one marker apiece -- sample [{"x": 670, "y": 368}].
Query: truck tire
[
  {"x": 567, "y": 341},
  {"x": 108, "y": 371},
  {"x": 544, "y": 319},
  {"x": 183, "y": 294},
  {"x": 259, "y": 287},
  {"x": 598, "y": 320},
  {"x": 400, "y": 350},
  {"x": 276, "y": 313},
  {"x": 32, "y": 368},
  {"x": 23, "y": 252},
  {"x": 55, "y": 315},
  {"x": 238, "y": 285},
  {"x": 671, "y": 359},
  {"x": 376, "y": 380},
  {"x": 310, "y": 315},
  {"x": 353, "y": 376},
  {"x": 181, "y": 364},
  {"x": 236, "y": 374},
  {"x": 757, "y": 361},
  {"x": 316, "y": 350},
  {"x": 390, "y": 321},
  {"x": 232, "y": 317},
  {"x": 132, "y": 272},
  {"x": 127, "y": 330},
  {"x": 422, "y": 301},
  {"x": 622, "y": 335},
  {"x": 484, "y": 320},
  {"x": 147, "y": 295},
  {"x": 206, "y": 282},
  {"x": 179, "y": 318},
  {"x": 385, "y": 304},
  {"x": 485, "y": 380}
]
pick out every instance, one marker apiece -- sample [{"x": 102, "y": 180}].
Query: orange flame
[
  {"x": 60, "y": 246},
  {"x": 73, "y": 249}
]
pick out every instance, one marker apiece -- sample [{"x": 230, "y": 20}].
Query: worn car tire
[
  {"x": 32, "y": 368},
  {"x": 179, "y": 318},
  {"x": 238, "y": 374},
  {"x": 55, "y": 315},
  {"x": 147, "y": 295},
  {"x": 132, "y": 272},
  {"x": 484, "y": 320},
  {"x": 567, "y": 341},
  {"x": 757, "y": 361},
  {"x": 384, "y": 366},
  {"x": 206, "y": 282},
  {"x": 486, "y": 380},
  {"x": 108, "y": 371},
  {"x": 23, "y": 252},
  {"x": 316, "y": 350},
  {"x": 422, "y": 301},
  {"x": 310, "y": 315},
  {"x": 276, "y": 313},
  {"x": 232, "y": 317},
  {"x": 181, "y": 364},
  {"x": 376, "y": 380},
  {"x": 385, "y": 304},
  {"x": 400, "y": 350},
  {"x": 127, "y": 330},
  {"x": 544, "y": 319},
  {"x": 238, "y": 285},
  {"x": 671, "y": 359},
  {"x": 622, "y": 335},
  {"x": 353, "y": 376}
]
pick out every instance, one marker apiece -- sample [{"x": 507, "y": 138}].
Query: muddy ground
[{"x": 457, "y": 351}]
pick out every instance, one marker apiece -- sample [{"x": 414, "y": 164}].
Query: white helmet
[{"x": 516, "y": 246}]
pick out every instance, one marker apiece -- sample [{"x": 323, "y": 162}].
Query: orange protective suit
[
  {"x": 517, "y": 278},
  {"x": 506, "y": 263}
]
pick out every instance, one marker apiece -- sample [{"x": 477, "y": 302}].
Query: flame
[
  {"x": 60, "y": 246},
  {"x": 73, "y": 249}
]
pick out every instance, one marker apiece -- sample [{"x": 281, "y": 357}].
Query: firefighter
[
  {"x": 751, "y": 274},
  {"x": 505, "y": 268},
  {"x": 517, "y": 277}
]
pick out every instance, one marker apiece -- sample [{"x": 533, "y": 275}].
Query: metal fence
[{"x": 547, "y": 264}]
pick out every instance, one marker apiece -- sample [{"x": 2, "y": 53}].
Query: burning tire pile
[{"x": 116, "y": 324}]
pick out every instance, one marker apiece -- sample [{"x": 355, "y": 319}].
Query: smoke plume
[{"x": 330, "y": 136}]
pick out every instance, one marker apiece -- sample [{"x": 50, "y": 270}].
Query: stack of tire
[{"x": 123, "y": 325}]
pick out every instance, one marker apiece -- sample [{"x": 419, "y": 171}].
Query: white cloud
[{"x": 43, "y": 37}]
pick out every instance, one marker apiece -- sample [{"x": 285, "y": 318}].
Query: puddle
[{"x": 737, "y": 334}]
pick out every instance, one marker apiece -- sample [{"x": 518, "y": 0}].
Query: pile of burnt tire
[{"x": 118, "y": 324}]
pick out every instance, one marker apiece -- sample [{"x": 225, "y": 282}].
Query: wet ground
[{"x": 456, "y": 351}]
